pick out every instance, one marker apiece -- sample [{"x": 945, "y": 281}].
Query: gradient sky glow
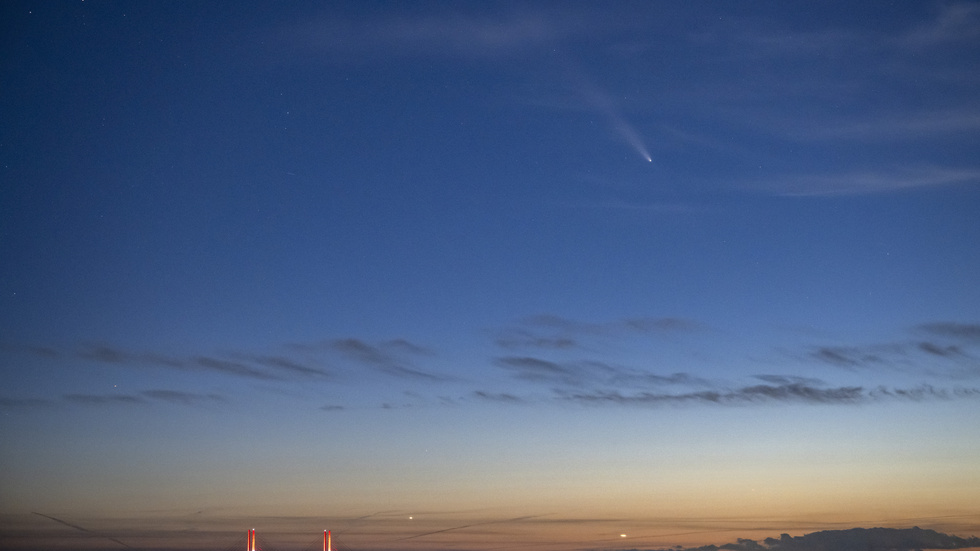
[{"x": 501, "y": 275}]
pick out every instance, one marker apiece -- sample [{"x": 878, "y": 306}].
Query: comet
[
  {"x": 628, "y": 133},
  {"x": 604, "y": 104}
]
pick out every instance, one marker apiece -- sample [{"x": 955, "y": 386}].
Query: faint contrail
[
  {"x": 86, "y": 530},
  {"x": 468, "y": 526}
]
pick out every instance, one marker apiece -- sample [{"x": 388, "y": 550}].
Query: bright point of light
[{"x": 622, "y": 535}]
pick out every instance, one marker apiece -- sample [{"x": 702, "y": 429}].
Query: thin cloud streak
[
  {"x": 552, "y": 332},
  {"x": 16, "y": 403},
  {"x": 894, "y": 128},
  {"x": 180, "y": 397},
  {"x": 784, "y": 394},
  {"x": 866, "y": 182},
  {"x": 789, "y": 380},
  {"x": 846, "y": 356},
  {"x": 583, "y": 372},
  {"x": 159, "y": 395},
  {"x": 640, "y": 324},
  {"x": 233, "y": 368},
  {"x": 949, "y": 354},
  {"x": 247, "y": 365},
  {"x": 485, "y": 523},
  {"x": 843, "y": 97},
  {"x": 955, "y": 22},
  {"x": 39, "y": 351},
  {"x": 949, "y": 351},
  {"x": 500, "y": 397},
  {"x": 286, "y": 364},
  {"x": 103, "y": 399},
  {"x": 520, "y": 339},
  {"x": 384, "y": 357},
  {"x": 965, "y": 331},
  {"x": 442, "y": 35}
]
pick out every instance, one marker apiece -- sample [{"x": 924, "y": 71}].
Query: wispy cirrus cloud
[
  {"x": 957, "y": 22},
  {"x": 888, "y": 127},
  {"x": 436, "y": 33},
  {"x": 834, "y": 88},
  {"x": 863, "y": 182}
]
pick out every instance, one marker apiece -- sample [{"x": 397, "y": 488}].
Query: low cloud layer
[
  {"x": 390, "y": 357},
  {"x": 240, "y": 364},
  {"x": 553, "y": 359},
  {"x": 947, "y": 350},
  {"x": 770, "y": 394}
]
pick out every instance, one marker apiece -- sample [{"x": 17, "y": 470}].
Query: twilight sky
[{"x": 467, "y": 276}]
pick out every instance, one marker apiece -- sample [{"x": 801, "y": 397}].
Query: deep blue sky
[{"x": 569, "y": 261}]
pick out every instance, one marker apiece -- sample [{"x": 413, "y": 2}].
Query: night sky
[{"x": 467, "y": 276}]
